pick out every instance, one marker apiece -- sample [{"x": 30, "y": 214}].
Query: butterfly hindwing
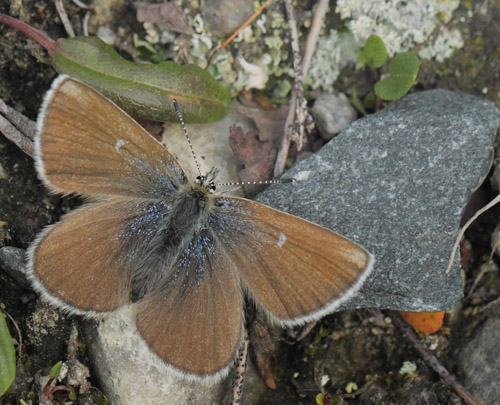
[
  {"x": 193, "y": 320},
  {"x": 77, "y": 263}
]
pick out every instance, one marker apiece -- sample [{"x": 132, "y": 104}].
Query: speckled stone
[
  {"x": 333, "y": 113},
  {"x": 479, "y": 364},
  {"x": 397, "y": 182},
  {"x": 223, "y": 17},
  {"x": 12, "y": 261}
]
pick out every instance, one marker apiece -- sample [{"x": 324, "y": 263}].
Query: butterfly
[{"x": 184, "y": 258}]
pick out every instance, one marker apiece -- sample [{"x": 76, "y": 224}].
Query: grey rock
[
  {"x": 333, "y": 113},
  {"x": 223, "y": 17},
  {"x": 107, "y": 35},
  {"x": 397, "y": 182},
  {"x": 130, "y": 374},
  {"x": 12, "y": 261},
  {"x": 479, "y": 363},
  {"x": 303, "y": 156}
]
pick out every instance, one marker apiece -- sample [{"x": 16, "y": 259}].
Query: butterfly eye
[
  {"x": 211, "y": 188},
  {"x": 199, "y": 180}
]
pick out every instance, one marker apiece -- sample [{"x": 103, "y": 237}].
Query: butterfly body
[
  {"x": 163, "y": 230},
  {"x": 181, "y": 257}
]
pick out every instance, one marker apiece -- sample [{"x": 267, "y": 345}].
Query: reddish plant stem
[{"x": 36, "y": 35}]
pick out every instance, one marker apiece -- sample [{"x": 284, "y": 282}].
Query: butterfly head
[{"x": 207, "y": 182}]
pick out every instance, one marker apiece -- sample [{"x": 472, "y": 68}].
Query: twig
[
  {"x": 492, "y": 203},
  {"x": 81, "y": 4},
  {"x": 485, "y": 267},
  {"x": 312, "y": 37},
  {"x": 496, "y": 245},
  {"x": 241, "y": 367},
  {"x": 432, "y": 361},
  {"x": 306, "y": 329},
  {"x": 235, "y": 33},
  {"x": 298, "y": 104},
  {"x": 18, "y": 128},
  {"x": 279, "y": 166},
  {"x": 64, "y": 17},
  {"x": 85, "y": 24},
  {"x": 491, "y": 307},
  {"x": 22, "y": 122},
  {"x": 253, "y": 17}
]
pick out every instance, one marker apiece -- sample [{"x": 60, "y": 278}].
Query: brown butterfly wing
[
  {"x": 294, "y": 270},
  {"x": 194, "y": 319},
  {"x": 78, "y": 263},
  {"x": 88, "y": 145}
]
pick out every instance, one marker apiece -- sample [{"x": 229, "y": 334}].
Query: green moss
[
  {"x": 478, "y": 41},
  {"x": 310, "y": 351}
]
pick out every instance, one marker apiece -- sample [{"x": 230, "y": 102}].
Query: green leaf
[
  {"x": 71, "y": 393},
  {"x": 143, "y": 90},
  {"x": 55, "y": 370},
  {"x": 403, "y": 71},
  {"x": 7, "y": 357},
  {"x": 370, "y": 100},
  {"x": 374, "y": 51},
  {"x": 356, "y": 102}
]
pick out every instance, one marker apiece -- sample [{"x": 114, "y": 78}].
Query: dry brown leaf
[
  {"x": 166, "y": 15},
  {"x": 154, "y": 128},
  {"x": 255, "y": 157},
  {"x": 263, "y": 347},
  {"x": 270, "y": 123}
]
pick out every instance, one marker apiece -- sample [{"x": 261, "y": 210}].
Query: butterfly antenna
[
  {"x": 240, "y": 184},
  {"x": 179, "y": 116}
]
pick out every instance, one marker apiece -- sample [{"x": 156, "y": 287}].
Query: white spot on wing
[
  {"x": 281, "y": 240},
  {"x": 119, "y": 144}
]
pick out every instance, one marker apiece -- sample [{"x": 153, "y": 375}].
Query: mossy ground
[{"x": 358, "y": 346}]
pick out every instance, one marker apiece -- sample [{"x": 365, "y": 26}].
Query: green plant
[
  {"x": 50, "y": 387},
  {"x": 374, "y": 52},
  {"x": 7, "y": 357},
  {"x": 403, "y": 69}
]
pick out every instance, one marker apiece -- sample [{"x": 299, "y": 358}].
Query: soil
[{"x": 362, "y": 347}]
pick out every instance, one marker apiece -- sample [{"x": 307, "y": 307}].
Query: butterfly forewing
[
  {"x": 88, "y": 145},
  {"x": 295, "y": 271},
  {"x": 193, "y": 320}
]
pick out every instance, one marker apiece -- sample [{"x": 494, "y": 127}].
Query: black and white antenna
[
  {"x": 213, "y": 172},
  {"x": 257, "y": 182},
  {"x": 179, "y": 116}
]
